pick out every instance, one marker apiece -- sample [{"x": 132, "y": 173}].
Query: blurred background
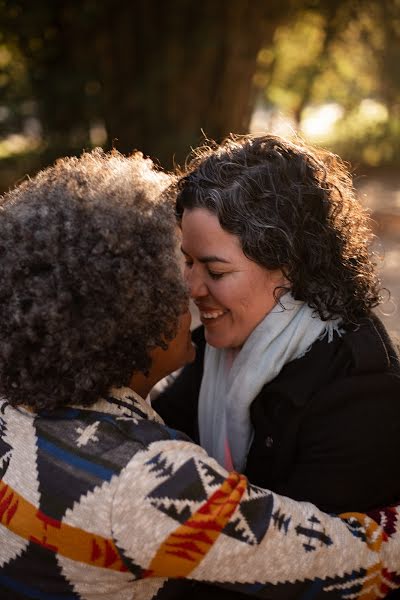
[{"x": 160, "y": 75}]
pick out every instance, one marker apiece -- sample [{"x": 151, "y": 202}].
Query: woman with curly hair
[
  {"x": 296, "y": 381},
  {"x": 91, "y": 300},
  {"x": 87, "y": 251}
]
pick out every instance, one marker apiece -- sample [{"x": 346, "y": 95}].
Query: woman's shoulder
[
  {"x": 371, "y": 347},
  {"x": 361, "y": 352},
  {"x": 365, "y": 347},
  {"x": 364, "y": 370}
]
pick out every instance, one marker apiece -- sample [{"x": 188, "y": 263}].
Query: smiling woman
[
  {"x": 289, "y": 353},
  {"x": 232, "y": 292}
]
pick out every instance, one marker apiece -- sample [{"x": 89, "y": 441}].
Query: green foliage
[
  {"x": 336, "y": 63},
  {"x": 373, "y": 142},
  {"x": 15, "y": 93},
  {"x": 344, "y": 53}
]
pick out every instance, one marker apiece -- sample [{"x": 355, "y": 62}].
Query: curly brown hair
[
  {"x": 293, "y": 208},
  {"x": 90, "y": 278}
]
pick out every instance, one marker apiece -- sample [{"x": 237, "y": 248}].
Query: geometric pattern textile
[{"x": 107, "y": 502}]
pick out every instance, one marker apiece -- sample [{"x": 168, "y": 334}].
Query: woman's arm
[{"x": 178, "y": 514}]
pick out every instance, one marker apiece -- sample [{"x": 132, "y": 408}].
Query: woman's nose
[{"x": 196, "y": 283}]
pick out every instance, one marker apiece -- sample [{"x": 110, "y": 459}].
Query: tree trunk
[
  {"x": 171, "y": 71},
  {"x": 157, "y": 74}
]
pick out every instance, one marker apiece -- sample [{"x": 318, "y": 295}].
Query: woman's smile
[{"x": 208, "y": 314}]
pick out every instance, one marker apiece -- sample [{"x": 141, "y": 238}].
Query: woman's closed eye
[{"x": 215, "y": 275}]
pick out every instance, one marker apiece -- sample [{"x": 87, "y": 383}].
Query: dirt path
[{"x": 382, "y": 195}]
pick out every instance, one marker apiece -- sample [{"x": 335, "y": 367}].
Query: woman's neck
[{"x": 142, "y": 384}]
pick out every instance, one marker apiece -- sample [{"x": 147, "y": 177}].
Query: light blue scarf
[{"x": 286, "y": 333}]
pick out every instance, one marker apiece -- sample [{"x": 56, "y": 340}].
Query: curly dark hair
[
  {"x": 293, "y": 208},
  {"x": 90, "y": 280}
]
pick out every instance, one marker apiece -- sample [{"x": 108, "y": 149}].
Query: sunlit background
[{"x": 158, "y": 76}]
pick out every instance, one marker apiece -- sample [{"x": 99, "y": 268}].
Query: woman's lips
[{"x": 211, "y": 316}]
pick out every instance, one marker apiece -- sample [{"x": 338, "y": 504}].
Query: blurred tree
[
  {"x": 15, "y": 88},
  {"x": 52, "y": 39},
  {"x": 153, "y": 75},
  {"x": 389, "y": 57},
  {"x": 190, "y": 68},
  {"x": 327, "y": 33},
  {"x": 350, "y": 51}
]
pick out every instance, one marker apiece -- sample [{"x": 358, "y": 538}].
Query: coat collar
[
  {"x": 365, "y": 349},
  {"x": 121, "y": 402}
]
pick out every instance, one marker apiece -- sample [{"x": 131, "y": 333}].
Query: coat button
[{"x": 269, "y": 442}]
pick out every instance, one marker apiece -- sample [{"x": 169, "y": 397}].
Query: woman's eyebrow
[{"x": 207, "y": 259}]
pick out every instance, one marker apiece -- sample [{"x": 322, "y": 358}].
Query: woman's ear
[
  {"x": 280, "y": 279},
  {"x": 282, "y": 283}
]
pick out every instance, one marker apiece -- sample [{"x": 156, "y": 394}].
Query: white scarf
[{"x": 226, "y": 394}]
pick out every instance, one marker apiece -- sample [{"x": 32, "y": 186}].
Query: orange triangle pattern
[
  {"x": 25, "y": 520},
  {"x": 186, "y": 547}
]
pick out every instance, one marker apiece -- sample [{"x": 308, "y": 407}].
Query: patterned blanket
[{"x": 107, "y": 502}]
